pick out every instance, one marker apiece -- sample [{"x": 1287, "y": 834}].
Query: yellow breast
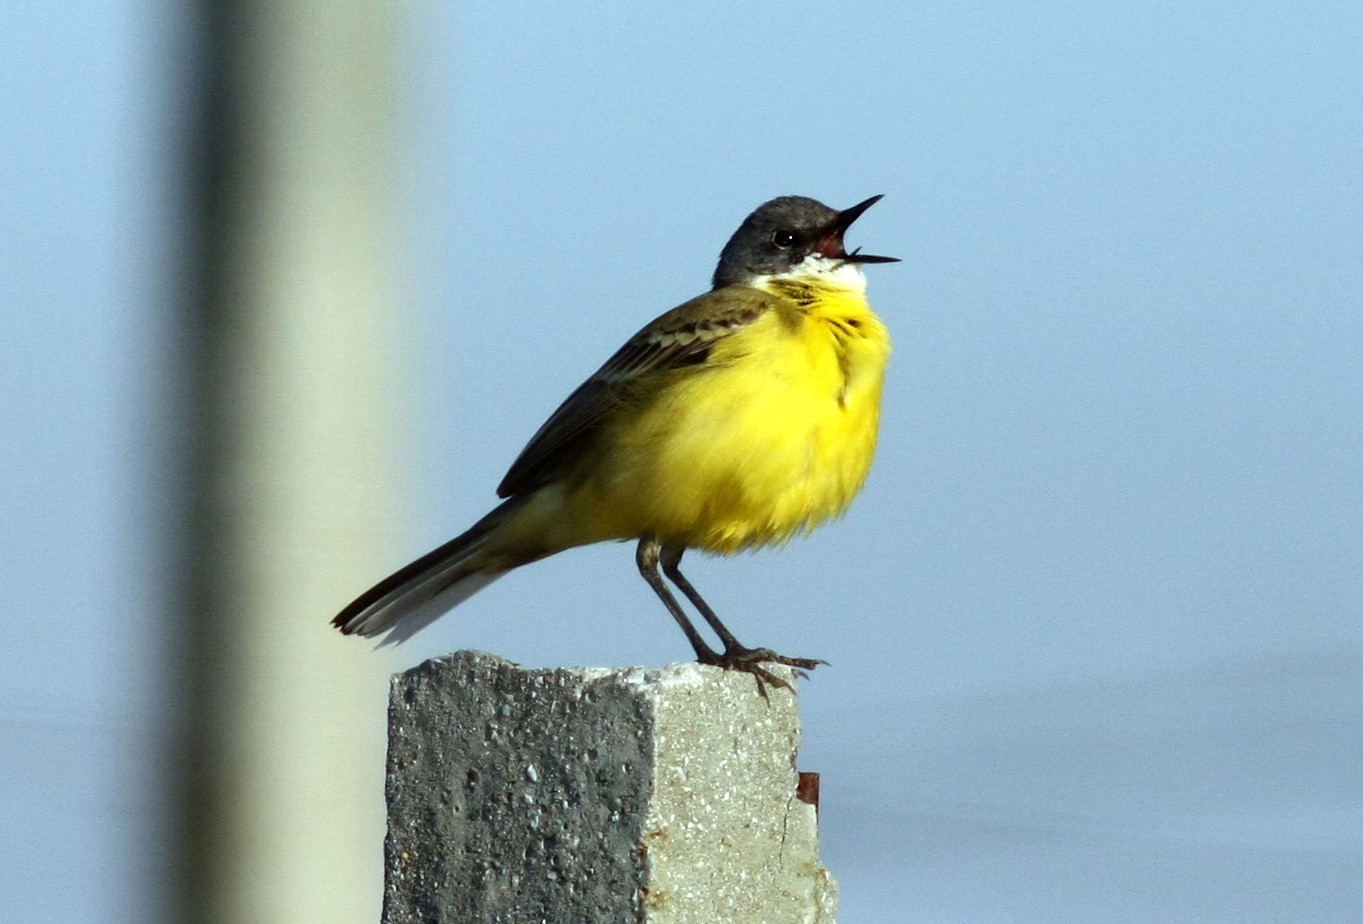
[{"x": 771, "y": 436}]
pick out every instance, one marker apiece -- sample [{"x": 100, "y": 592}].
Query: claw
[{"x": 750, "y": 660}]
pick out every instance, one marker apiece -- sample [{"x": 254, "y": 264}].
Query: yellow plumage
[
  {"x": 771, "y": 436},
  {"x": 737, "y": 420}
]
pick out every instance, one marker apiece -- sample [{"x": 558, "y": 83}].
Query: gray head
[{"x": 782, "y": 233}]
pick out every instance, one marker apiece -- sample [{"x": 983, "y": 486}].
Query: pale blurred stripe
[{"x": 302, "y": 458}]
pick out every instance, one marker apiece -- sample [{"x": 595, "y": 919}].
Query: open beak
[{"x": 831, "y": 245}]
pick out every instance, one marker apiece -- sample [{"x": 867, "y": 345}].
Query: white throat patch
[{"x": 828, "y": 270}]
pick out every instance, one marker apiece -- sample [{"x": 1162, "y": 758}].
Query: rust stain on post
[{"x": 807, "y": 790}]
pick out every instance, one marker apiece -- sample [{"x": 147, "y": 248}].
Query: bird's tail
[{"x": 413, "y": 597}]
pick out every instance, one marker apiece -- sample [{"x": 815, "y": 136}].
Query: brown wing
[{"x": 682, "y": 337}]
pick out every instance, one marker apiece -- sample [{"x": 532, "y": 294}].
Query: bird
[{"x": 737, "y": 420}]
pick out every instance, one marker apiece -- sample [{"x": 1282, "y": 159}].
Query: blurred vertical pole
[{"x": 292, "y": 373}]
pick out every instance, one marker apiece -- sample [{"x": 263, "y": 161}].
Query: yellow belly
[{"x": 773, "y": 435}]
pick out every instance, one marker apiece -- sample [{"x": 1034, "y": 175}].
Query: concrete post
[{"x": 589, "y": 795}]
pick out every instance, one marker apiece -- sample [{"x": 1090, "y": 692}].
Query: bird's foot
[{"x": 750, "y": 661}]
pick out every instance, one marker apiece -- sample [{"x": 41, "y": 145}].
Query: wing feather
[{"x": 682, "y": 337}]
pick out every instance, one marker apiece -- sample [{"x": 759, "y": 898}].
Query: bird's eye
[{"x": 783, "y": 239}]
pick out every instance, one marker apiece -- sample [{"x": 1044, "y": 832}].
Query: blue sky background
[{"x": 1094, "y": 624}]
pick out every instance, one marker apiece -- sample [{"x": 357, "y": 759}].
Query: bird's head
[{"x": 791, "y": 235}]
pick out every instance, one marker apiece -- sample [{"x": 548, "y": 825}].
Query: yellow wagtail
[{"x": 733, "y": 421}]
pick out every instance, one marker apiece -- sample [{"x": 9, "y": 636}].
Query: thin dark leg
[
  {"x": 646, "y": 557},
  {"x": 736, "y": 655},
  {"x": 671, "y": 561}
]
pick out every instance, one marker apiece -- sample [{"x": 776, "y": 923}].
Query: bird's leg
[
  {"x": 736, "y": 656},
  {"x": 646, "y": 557}
]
